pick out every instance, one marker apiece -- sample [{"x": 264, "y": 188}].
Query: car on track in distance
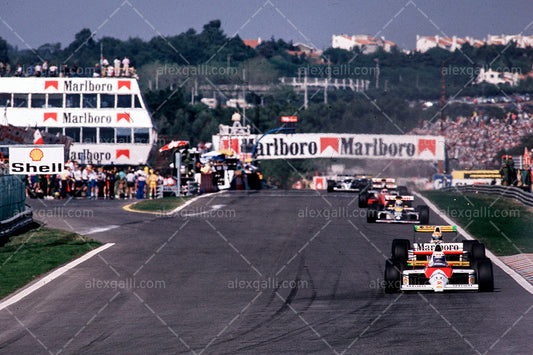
[
  {"x": 436, "y": 265},
  {"x": 397, "y": 209},
  {"x": 349, "y": 184}
]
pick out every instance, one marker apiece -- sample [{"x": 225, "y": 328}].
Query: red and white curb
[{"x": 521, "y": 263}]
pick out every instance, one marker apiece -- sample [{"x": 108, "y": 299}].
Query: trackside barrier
[
  {"x": 14, "y": 214},
  {"x": 506, "y": 191},
  {"x": 12, "y": 196}
]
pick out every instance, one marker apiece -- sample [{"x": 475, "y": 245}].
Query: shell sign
[
  {"x": 36, "y": 154},
  {"x": 36, "y": 159}
]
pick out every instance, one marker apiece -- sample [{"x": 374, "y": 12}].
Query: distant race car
[
  {"x": 397, "y": 209},
  {"x": 349, "y": 184},
  {"x": 437, "y": 265},
  {"x": 376, "y": 193}
]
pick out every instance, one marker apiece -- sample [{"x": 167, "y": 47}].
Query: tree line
[{"x": 398, "y": 81}]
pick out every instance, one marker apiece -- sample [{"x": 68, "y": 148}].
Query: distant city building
[
  {"x": 366, "y": 44},
  {"x": 253, "y": 43},
  {"x": 308, "y": 51},
  {"x": 425, "y": 43},
  {"x": 210, "y": 102},
  {"x": 494, "y": 77}
]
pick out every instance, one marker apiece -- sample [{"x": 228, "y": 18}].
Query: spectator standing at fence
[
  {"x": 92, "y": 182},
  {"x": 53, "y": 70},
  {"x": 152, "y": 184},
  {"x": 8, "y": 69},
  {"x": 141, "y": 184},
  {"x": 126, "y": 66},
  {"x": 38, "y": 70},
  {"x": 2, "y": 69},
  {"x": 97, "y": 71},
  {"x": 130, "y": 184},
  {"x": 18, "y": 71},
  {"x": 116, "y": 63},
  {"x": 104, "y": 64},
  {"x": 85, "y": 180},
  {"x": 109, "y": 71},
  {"x": 78, "y": 181},
  {"x": 100, "y": 183},
  {"x": 45, "y": 68}
]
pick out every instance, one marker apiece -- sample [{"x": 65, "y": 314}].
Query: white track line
[
  {"x": 516, "y": 276},
  {"x": 48, "y": 278}
]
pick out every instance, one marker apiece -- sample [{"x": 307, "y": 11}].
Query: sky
[{"x": 26, "y": 24}]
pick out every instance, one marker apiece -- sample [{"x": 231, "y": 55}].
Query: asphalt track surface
[{"x": 271, "y": 272}]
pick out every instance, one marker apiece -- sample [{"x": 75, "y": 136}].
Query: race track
[{"x": 266, "y": 272}]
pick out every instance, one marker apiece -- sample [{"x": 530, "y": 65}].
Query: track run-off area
[{"x": 251, "y": 272}]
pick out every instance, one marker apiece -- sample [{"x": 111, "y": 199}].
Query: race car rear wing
[
  {"x": 404, "y": 198},
  {"x": 431, "y": 229}
]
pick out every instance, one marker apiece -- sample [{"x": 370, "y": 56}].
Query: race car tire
[
  {"x": 400, "y": 249},
  {"x": 393, "y": 275},
  {"x": 467, "y": 246},
  {"x": 403, "y": 191},
  {"x": 485, "y": 275},
  {"x": 363, "y": 200},
  {"x": 423, "y": 214},
  {"x": 331, "y": 185},
  {"x": 371, "y": 215},
  {"x": 478, "y": 251}
]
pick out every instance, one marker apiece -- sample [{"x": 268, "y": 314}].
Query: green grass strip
[
  {"x": 502, "y": 224},
  {"x": 35, "y": 252},
  {"x": 160, "y": 204}
]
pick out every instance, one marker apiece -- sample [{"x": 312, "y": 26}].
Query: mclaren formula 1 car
[
  {"x": 437, "y": 265},
  {"x": 397, "y": 209}
]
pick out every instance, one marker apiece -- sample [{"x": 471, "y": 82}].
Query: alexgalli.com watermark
[
  {"x": 62, "y": 212},
  {"x": 475, "y": 71},
  {"x": 126, "y": 284},
  {"x": 202, "y": 212},
  {"x": 196, "y": 70},
  {"x": 267, "y": 284},
  {"x": 329, "y": 213},
  {"x": 336, "y": 70},
  {"x": 481, "y": 212}
]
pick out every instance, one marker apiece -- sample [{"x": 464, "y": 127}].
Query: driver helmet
[
  {"x": 398, "y": 202},
  {"x": 436, "y": 236}
]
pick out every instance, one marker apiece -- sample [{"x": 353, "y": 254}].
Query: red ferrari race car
[
  {"x": 437, "y": 265},
  {"x": 375, "y": 195}
]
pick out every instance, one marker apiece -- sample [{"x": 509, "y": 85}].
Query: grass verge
[
  {"x": 159, "y": 205},
  {"x": 502, "y": 224},
  {"x": 37, "y": 251}
]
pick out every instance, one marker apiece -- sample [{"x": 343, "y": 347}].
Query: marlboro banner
[{"x": 332, "y": 145}]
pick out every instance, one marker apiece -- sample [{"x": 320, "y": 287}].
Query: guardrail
[
  {"x": 14, "y": 214},
  {"x": 505, "y": 191}
]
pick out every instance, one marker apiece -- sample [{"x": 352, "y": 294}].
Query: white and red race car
[
  {"x": 397, "y": 209},
  {"x": 437, "y": 265}
]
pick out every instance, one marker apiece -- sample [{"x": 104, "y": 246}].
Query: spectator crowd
[
  {"x": 474, "y": 142},
  {"x": 117, "y": 68},
  {"x": 97, "y": 182}
]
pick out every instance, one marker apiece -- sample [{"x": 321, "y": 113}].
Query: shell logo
[{"x": 36, "y": 154}]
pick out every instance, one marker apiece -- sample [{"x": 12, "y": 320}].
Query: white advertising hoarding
[
  {"x": 333, "y": 145},
  {"x": 36, "y": 159}
]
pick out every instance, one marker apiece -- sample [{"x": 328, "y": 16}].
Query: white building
[
  {"x": 367, "y": 44},
  {"x": 493, "y": 77},
  {"x": 425, "y": 43}
]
